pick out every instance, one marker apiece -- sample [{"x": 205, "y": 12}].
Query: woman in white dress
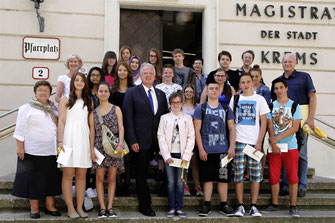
[
  {"x": 76, "y": 131},
  {"x": 73, "y": 63}
]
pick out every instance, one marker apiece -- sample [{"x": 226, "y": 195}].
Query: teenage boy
[
  {"x": 213, "y": 123},
  {"x": 250, "y": 122},
  {"x": 200, "y": 78},
  {"x": 283, "y": 123},
  {"x": 182, "y": 73}
]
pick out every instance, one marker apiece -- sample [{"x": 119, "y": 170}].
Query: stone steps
[{"x": 192, "y": 217}]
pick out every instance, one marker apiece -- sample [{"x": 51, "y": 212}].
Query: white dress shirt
[{"x": 154, "y": 97}]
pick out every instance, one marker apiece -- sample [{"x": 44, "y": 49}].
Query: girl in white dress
[{"x": 76, "y": 131}]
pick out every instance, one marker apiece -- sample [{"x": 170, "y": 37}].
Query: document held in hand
[
  {"x": 65, "y": 157},
  {"x": 282, "y": 146},
  {"x": 225, "y": 161},
  {"x": 253, "y": 153},
  {"x": 99, "y": 155},
  {"x": 177, "y": 163}
]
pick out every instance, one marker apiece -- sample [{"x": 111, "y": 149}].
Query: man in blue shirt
[
  {"x": 302, "y": 91},
  {"x": 199, "y": 75}
]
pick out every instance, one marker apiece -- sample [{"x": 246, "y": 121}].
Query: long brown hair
[
  {"x": 85, "y": 94},
  {"x": 108, "y": 55},
  {"x": 130, "y": 81},
  {"x": 194, "y": 99},
  {"x": 159, "y": 63},
  {"x": 121, "y": 50}
]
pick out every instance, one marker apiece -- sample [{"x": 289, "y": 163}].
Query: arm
[
  {"x": 59, "y": 91},
  {"x": 197, "y": 127},
  {"x": 121, "y": 129},
  {"x": 275, "y": 148},
  {"x": 20, "y": 149},
  {"x": 190, "y": 137},
  {"x": 61, "y": 121},
  {"x": 232, "y": 138},
  {"x": 258, "y": 145},
  {"x": 287, "y": 133},
  {"x": 203, "y": 97},
  {"x": 163, "y": 144},
  {"x": 21, "y": 130},
  {"x": 312, "y": 109},
  {"x": 92, "y": 136}
]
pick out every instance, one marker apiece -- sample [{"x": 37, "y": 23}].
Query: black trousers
[{"x": 141, "y": 161}]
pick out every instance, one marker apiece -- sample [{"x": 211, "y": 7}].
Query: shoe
[
  {"x": 226, "y": 210},
  {"x": 90, "y": 193},
  {"x": 254, "y": 212},
  {"x": 198, "y": 191},
  {"x": 270, "y": 208},
  {"x": 301, "y": 193},
  {"x": 153, "y": 163},
  {"x": 239, "y": 212},
  {"x": 170, "y": 214},
  {"x": 35, "y": 216},
  {"x": 52, "y": 213},
  {"x": 73, "y": 215},
  {"x": 111, "y": 213},
  {"x": 82, "y": 214},
  {"x": 102, "y": 213},
  {"x": 148, "y": 212},
  {"x": 181, "y": 214},
  {"x": 205, "y": 211},
  {"x": 294, "y": 212},
  {"x": 186, "y": 191},
  {"x": 283, "y": 191}
]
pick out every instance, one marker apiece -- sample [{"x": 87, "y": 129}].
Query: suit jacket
[
  {"x": 141, "y": 124},
  {"x": 186, "y": 135}
]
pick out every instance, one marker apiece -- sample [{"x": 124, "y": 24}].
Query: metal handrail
[{"x": 325, "y": 123}]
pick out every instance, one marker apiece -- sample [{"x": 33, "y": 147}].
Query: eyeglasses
[
  {"x": 152, "y": 56},
  {"x": 176, "y": 103},
  {"x": 42, "y": 91},
  {"x": 95, "y": 75}
]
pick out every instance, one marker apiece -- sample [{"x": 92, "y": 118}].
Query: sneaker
[
  {"x": 198, "y": 191},
  {"x": 102, "y": 213},
  {"x": 294, "y": 212},
  {"x": 170, "y": 214},
  {"x": 283, "y": 191},
  {"x": 254, "y": 212},
  {"x": 226, "y": 210},
  {"x": 90, "y": 193},
  {"x": 111, "y": 213},
  {"x": 153, "y": 163},
  {"x": 270, "y": 208},
  {"x": 205, "y": 211},
  {"x": 301, "y": 193},
  {"x": 239, "y": 212},
  {"x": 186, "y": 191},
  {"x": 181, "y": 214}
]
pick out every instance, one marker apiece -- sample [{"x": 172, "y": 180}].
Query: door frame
[{"x": 209, "y": 9}]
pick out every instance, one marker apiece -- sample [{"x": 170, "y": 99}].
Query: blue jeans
[
  {"x": 175, "y": 185},
  {"x": 302, "y": 169}
]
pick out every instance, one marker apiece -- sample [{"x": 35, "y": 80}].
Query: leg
[
  {"x": 171, "y": 186},
  {"x": 255, "y": 169},
  {"x": 179, "y": 189},
  {"x": 303, "y": 165},
  {"x": 195, "y": 170},
  {"x": 223, "y": 191},
  {"x": 111, "y": 186},
  {"x": 275, "y": 165},
  {"x": 275, "y": 194},
  {"x": 34, "y": 206},
  {"x": 99, "y": 182},
  {"x": 239, "y": 162},
  {"x": 127, "y": 175},
  {"x": 293, "y": 188},
  {"x": 50, "y": 203},
  {"x": 291, "y": 160},
  {"x": 208, "y": 189},
  {"x": 68, "y": 173},
  {"x": 80, "y": 188},
  {"x": 239, "y": 192}
]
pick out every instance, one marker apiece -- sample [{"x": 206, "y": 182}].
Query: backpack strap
[
  {"x": 271, "y": 107},
  {"x": 294, "y": 107},
  {"x": 235, "y": 106}
]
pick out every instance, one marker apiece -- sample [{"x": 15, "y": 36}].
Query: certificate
[
  {"x": 253, "y": 153},
  {"x": 65, "y": 157},
  {"x": 282, "y": 146},
  {"x": 177, "y": 163},
  {"x": 225, "y": 161},
  {"x": 99, "y": 155}
]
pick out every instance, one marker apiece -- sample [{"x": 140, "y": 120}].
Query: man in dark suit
[{"x": 142, "y": 108}]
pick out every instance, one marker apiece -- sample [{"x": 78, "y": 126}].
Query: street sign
[{"x": 40, "y": 73}]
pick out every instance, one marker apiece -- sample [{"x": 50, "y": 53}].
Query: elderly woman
[
  {"x": 37, "y": 176},
  {"x": 73, "y": 63}
]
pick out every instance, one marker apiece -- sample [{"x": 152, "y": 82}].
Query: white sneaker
[
  {"x": 239, "y": 211},
  {"x": 90, "y": 193},
  {"x": 254, "y": 212}
]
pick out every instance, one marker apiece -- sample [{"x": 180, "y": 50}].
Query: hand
[
  {"x": 273, "y": 140},
  {"x": 169, "y": 161},
  {"x": 231, "y": 152},
  {"x": 310, "y": 123},
  {"x": 60, "y": 145},
  {"x": 20, "y": 153},
  {"x": 119, "y": 150},
  {"x": 203, "y": 155},
  {"x": 184, "y": 163},
  {"x": 275, "y": 149},
  {"x": 135, "y": 147},
  {"x": 258, "y": 147},
  {"x": 94, "y": 157}
]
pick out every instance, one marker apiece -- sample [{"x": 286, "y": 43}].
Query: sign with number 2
[{"x": 40, "y": 73}]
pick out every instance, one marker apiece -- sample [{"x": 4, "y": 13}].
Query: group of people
[{"x": 175, "y": 114}]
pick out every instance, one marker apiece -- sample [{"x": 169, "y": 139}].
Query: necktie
[{"x": 151, "y": 101}]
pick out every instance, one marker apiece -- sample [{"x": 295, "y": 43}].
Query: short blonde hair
[{"x": 72, "y": 56}]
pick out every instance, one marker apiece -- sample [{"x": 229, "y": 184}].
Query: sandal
[
  {"x": 111, "y": 213},
  {"x": 102, "y": 213}
]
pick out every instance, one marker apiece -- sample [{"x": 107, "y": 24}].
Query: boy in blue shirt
[{"x": 283, "y": 123}]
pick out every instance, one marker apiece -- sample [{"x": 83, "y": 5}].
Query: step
[
  {"x": 317, "y": 216},
  {"x": 312, "y": 201}
]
